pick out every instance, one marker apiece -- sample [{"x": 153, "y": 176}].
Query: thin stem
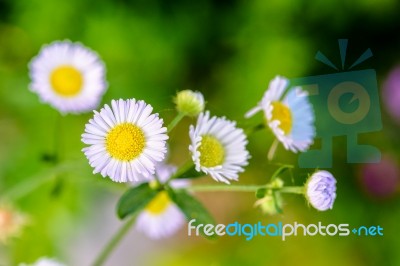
[
  {"x": 114, "y": 241},
  {"x": 34, "y": 182},
  {"x": 272, "y": 150},
  {"x": 175, "y": 121},
  {"x": 245, "y": 188},
  {"x": 293, "y": 190},
  {"x": 231, "y": 188}
]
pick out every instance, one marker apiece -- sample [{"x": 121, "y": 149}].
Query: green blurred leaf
[
  {"x": 192, "y": 209},
  {"x": 135, "y": 199},
  {"x": 188, "y": 171},
  {"x": 260, "y": 193}
]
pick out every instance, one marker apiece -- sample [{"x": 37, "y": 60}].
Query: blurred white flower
[
  {"x": 126, "y": 141},
  {"x": 68, "y": 76},
  {"x": 44, "y": 262},
  {"x": 290, "y": 117},
  {"x": 162, "y": 218}
]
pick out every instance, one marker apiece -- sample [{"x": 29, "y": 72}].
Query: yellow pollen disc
[
  {"x": 125, "y": 142},
  {"x": 159, "y": 203},
  {"x": 212, "y": 153},
  {"x": 282, "y": 113},
  {"x": 66, "y": 81}
]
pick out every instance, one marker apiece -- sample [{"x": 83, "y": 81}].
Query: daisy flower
[
  {"x": 126, "y": 141},
  {"x": 290, "y": 116},
  {"x": 68, "y": 76},
  {"x": 11, "y": 223},
  {"x": 218, "y": 148},
  {"x": 44, "y": 262},
  {"x": 162, "y": 218},
  {"x": 321, "y": 190}
]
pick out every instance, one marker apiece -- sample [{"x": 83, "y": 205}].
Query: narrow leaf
[
  {"x": 135, "y": 199},
  {"x": 260, "y": 193},
  {"x": 192, "y": 209}
]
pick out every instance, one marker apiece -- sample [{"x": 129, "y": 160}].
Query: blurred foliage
[{"x": 229, "y": 50}]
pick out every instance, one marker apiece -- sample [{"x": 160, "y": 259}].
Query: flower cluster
[{"x": 126, "y": 141}]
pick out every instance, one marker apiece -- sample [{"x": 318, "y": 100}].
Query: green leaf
[
  {"x": 281, "y": 170},
  {"x": 135, "y": 199},
  {"x": 192, "y": 209},
  {"x": 260, "y": 193}
]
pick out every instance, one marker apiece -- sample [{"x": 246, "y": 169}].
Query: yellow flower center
[
  {"x": 125, "y": 142},
  {"x": 66, "y": 81},
  {"x": 212, "y": 152},
  {"x": 159, "y": 203},
  {"x": 282, "y": 113}
]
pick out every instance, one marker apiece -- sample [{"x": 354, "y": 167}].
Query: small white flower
[
  {"x": 68, "y": 76},
  {"x": 189, "y": 102},
  {"x": 162, "y": 218},
  {"x": 126, "y": 141},
  {"x": 218, "y": 148},
  {"x": 321, "y": 190},
  {"x": 44, "y": 262},
  {"x": 290, "y": 117}
]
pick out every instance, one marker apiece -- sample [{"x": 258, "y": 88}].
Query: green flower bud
[{"x": 189, "y": 102}]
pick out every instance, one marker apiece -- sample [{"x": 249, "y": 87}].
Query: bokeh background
[{"x": 229, "y": 50}]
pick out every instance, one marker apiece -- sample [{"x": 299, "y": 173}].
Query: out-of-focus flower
[
  {"x": 44, "y": 262},
  {"x": 391, "y": 93},
  {"x": 11, "y": 223},
  {"x": 290, "y": 117},
  {"x": 269, "y": 204},
  {"x": 381, "y": 180},
  {"x": 189, "y": 102},
  {"x": 68, "y": 76},
  {"x": 162, "y": 218},
  {"x": 218, "y": 147},
  {"x": 321, "y": 190},
  {"x": 126, "y": 141}
]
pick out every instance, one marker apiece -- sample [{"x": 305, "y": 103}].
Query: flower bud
[
  {"x": 189, "y": 102},
  {"x": 321, "y": 190}
]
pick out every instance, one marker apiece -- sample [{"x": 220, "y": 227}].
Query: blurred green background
[{"x": 228, "y": 50}]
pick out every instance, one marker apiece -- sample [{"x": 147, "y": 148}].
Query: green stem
[
  {"x": 175, "y": 121},
  {"x": 34, "y": 182},
  {"x": 182, "y": 170},
  {"x": 245, "y": 188},
  {"x": 293, "y": 190},
  {"x": 272, "y": 150},
  {"x": 114, "y": 241}
]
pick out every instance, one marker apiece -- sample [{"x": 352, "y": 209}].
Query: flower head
[
  {"x": 218, "y": 148},
  {"x": 44, "y": 262},
  {"x": 11, "y": 223},
  {"x": 321, "y": 190},
  {"x": 381, "y": 180},
  {"x": 126, "y": 141},
  {"x": 391, "y": 93},
  {"x": 162, "y": 218},
  {"x": 289, "y": 116},
  {"x": 189, "y": 102},
  {"x": 68, "y": 76}
]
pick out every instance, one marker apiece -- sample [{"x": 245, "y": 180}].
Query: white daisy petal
[
  {"x": 291, "y": 119},
  {"x": 218, "y": 146},
  {"x": 68, "y": 76},
  {"x": 120, "y": 148}
]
